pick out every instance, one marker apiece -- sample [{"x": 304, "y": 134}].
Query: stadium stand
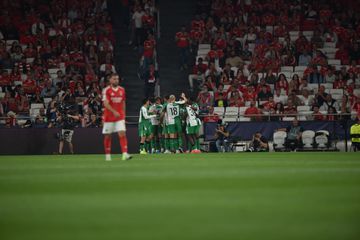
[
  {"x": 59, "y": 51},
  {"x": 282, "y": 46},
  {"x": 262, "y": 60},
  {"x": 54, "y": 51}
]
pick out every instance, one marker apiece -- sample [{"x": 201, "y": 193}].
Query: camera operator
[
  {"x": 68, "y": 119},
  {"x": 221, "y": 136},
  {"x": 259, "y": 143}
]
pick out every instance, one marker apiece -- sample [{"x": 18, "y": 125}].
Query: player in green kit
[
  {"x": 173, "y": 121},
  {"x": 196, "y": 108},
  {"x": 145, "y": 127},
  {"x": 156, "y": 130},
  {"x": 163, "y": 123},
  {"x": 181, "y": 135},
  {"x": 193, "y": 124}
]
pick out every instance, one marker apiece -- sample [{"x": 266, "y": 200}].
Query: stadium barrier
[{"x": 34, "y": 140}]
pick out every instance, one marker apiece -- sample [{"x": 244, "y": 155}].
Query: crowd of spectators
[
  {"x": 143, "y": 19},
  {"x": 278, "y": 57},
  {"x": 269, "y": 56},
  {"x": 53, "y": 52}
]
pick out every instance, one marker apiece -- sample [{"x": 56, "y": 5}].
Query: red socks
[
  {"x": 107, "y": 145},
  {"x": 123, "y": 144}
]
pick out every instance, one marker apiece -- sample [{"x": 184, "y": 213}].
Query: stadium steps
[
  {"x": 172, "y": 80},
  {"x": 126, "y": 60}
]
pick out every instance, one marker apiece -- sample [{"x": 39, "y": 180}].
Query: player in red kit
[{"x": 114, "y": 116}]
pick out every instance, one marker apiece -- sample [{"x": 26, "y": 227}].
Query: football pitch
[{"x": 188, "y": 196}]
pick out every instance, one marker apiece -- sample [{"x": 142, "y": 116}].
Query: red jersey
[
  {"x": 149, "y": 48},
  {"x": 318, "y": 116},
  {"x": 5, "y": 80},
  {"x": 199, "y": 69},
  {"x": 148, "y": 20},
  {"x": 196, "y": 35},
  {"x": 269, "y": 105},
  {"x": 212, "y": 54},
  {"x": 268, "y": 19},
  {"x": 220, "y": 43},
  {"x": 237, "y": 32},
  {"x": 198, "y": 25},
  {"x": 211, "y": 118},
  {"x": 343, "y": 56},
  {"x": 252, "y": 111},
  {"x": 29, "y": 86},
  {"x": 116, "y": 98},
  {"x": 248, "y": 96},
  {"x": 182, "y": 39}
]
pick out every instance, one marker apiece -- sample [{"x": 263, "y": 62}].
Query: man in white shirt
[
  {"x": 306, "y": 98},
  {"x": 138, "y": 26},
  {"x": 330, "y": 76},
  {"x": 278, "y": 97},
  {"x": 330, "y": 102}
]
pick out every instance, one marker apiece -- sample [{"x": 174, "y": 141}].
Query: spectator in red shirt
[
  {"x": 198, "y": 24},
  {"x": 29, "y": 51},
  {"x": 280, "y": 30},
  {"x": 204, "y": 100},
  {"x": 282, "y": 84},
  {"x": 331, "y": 114},
  {"x": 29, "y": 85},
  {"x": 356, "y": 106},
  {"x": 182, "y": 41},
  {"x": 290, "y": 109},
  {"x": 235, "y": 100},
  {"x": 339, "y": 82},
  {"x": 251, "y": 94},
  {"x": 354, "y": 68},
  {"x": 149, "y": 50},
  {"x": 253, "y": 111},
  {"x": 270, "y": 104},
  {"x": 211, "y": 116},
  {"x": 210, "y": 83},
  {"x": 220, "y": 90},
  {"x": 343, "y": 55},
  {"x": 5, "y": 80},
  {"x": 220, "y": 42},
  {"x": 148, "y": 20},
  {"x": 241, "y": 78},
  {"x": 317, "y": 115}
]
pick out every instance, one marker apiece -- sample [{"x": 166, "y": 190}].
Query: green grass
[{"x": 206, "y": 196}]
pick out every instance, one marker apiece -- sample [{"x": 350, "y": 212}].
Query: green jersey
[
  {"x": 195, "y": 107},
  {"x": 144, "y": 116},
  {"x": 172, "y": 113},
  {"x": 156, "y": 109},
  {"x": 192, "y": 119}
]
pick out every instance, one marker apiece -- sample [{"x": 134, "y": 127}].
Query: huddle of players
[{"x": 165, "y": 125}]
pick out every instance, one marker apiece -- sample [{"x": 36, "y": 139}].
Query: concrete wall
[{"x": 43, "y": 141}]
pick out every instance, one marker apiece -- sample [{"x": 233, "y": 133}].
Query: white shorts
[{"x": 113, "y": 127}]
